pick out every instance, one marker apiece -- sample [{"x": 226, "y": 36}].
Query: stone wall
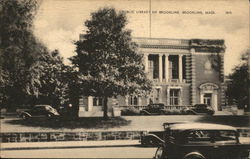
[
  {"x": 69, "y": 136},
  {"x": 82, "y": 136}
]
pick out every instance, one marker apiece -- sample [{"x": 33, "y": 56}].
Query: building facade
[{"x": 184, "y": 72}]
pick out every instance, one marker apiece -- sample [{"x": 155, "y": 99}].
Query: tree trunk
[{"x": 105, "y": 108}]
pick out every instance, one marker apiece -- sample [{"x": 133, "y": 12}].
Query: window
[
  {"x": 97, "y": 101},
  {"x": 212, "y": 136},
  {"x": 174, "y": 96},
  {"x": 132, "y": 100},
  {"x": 173, "y": 67}
]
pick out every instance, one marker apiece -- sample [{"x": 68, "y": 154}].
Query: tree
[
  {"x": 53, "y": 79},
  {"x": 238, "y": 89},
  {"x": 19, "y": 51},
  {"x": 107, "y": 59}
]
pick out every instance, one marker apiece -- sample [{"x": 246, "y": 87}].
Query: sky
[{"x": 58, "y": 23}]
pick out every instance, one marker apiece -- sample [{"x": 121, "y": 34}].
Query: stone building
[{"x": 184, "y": 72}]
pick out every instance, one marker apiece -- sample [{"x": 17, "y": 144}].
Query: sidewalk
[
  {"x": 80, "y": 144},
  {"x": 68, "y": 144}
]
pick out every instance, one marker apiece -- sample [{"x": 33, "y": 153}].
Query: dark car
[
  {"x": 201, "y": 141},
  {"x": 39, "y": 111},
  {"x": 153, "y": 139},
  {"x": 153, "y": 109},
  {"x": 199, "y": 109}
]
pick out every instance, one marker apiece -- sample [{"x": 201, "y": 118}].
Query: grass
[{"x": 83, "y": 122}]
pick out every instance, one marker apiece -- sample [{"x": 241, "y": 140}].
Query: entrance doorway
[{"x": 207, "y": 99}]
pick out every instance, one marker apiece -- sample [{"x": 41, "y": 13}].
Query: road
[{"x": 103, "y": 152}]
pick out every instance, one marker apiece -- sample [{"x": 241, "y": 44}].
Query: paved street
[{"x": 103, "y": 152}]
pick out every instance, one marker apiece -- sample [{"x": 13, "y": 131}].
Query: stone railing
[
  {"x": 140, "y": 107},
  {"x": 161, "y": 41},
  {"x": 156, "y": 80}
]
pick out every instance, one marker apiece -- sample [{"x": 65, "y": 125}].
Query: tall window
[
  {"x": 97, "y": 101},
  {"x": 133, "y": 100},
  {"x": 174, "y": 96},
  {"x": 173, "y": 67}
]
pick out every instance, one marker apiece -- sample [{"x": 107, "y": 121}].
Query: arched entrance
[{"x": 209, "y": 95}]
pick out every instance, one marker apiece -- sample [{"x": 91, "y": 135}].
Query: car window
[
  {"x": 199, "y": 136},
  {"x": 38, "y": 108},
  {"x": 211, "y": 136},
  {"x": 224, "y": 136}
]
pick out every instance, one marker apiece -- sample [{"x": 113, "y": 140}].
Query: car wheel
[
  {"x": 194, "y": 157},
  {"x": 159, "y": 153},
  {"x": 49, "y": 115},
  {"x": 24, "y": 116},
  {"x": 190, "y": 113}
]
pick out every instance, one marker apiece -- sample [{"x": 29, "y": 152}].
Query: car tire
[
  {"x": 49, "y": 115},
  {"x": 159, "y": 153},
  {"x": 25, "y": 117},
  {"x": 190, "y": 113}
]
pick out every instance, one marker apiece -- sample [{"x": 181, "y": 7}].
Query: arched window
[
  {"x": 97, "y": 101},
  {"x": 133, "y": 100}
]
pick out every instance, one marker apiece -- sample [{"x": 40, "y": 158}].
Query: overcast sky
[{"x": 59, "y": 22}]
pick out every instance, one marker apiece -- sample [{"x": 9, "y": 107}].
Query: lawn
[{"x": 83, "y": 122}]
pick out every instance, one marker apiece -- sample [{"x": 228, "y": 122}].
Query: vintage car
[
  {"x": 39, "y": 111},
  {"x": 199, "y": 109},
  {"x": 201, "y": 141},
  {"x": 153, "y": 109}
]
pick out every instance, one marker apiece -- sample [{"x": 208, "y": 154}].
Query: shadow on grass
[
  {"x": 83, "y": 122},
  {"x": 237, "y": 121}
]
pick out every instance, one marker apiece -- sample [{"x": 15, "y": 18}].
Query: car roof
[
  {"x": 200, "y": 126},
  {"x": 42, "y": 106}
]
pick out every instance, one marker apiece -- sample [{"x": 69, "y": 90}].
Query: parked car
[
  {"x": 39, "y": 111},
  {"x": 153, "y": 139},
  {"x": 130, "y": 111},
  {"x": 153, "y": 109},
  {"x": 201, "y": 141},
  {"x": 199, "y": 109}
]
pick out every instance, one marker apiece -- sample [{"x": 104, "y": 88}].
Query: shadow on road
[{"x": 237, "y": 121}]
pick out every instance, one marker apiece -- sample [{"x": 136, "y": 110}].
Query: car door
[{"x": 40, "y": 111}]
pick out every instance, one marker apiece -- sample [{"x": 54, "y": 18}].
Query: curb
[{"x": 69, "y": 144}]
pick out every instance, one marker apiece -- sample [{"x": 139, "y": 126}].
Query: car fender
[
  {"x": 154, "y": 137},
  {"x": 192, "y": 111},
  {"x": 144, "y": 111},
  {"x": 25, "y": 113},
  {"x": 194, "y": 154}
]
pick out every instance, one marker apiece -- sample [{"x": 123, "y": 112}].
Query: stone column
[
  {"x": 90, "y": 103},
  {"x": 193, "y": 77},
  {"x": 160, "y": 67},
  {"x": 202, "y": 98},
  {"x": 166, "y": 67},
  {"x": 146, "y": 62},
  {"x": 180, "y": 68},
  {"x": 139, "y": 101},
  {"x": 126, "y": 100},
  {"x": 215, "y": 100}
]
